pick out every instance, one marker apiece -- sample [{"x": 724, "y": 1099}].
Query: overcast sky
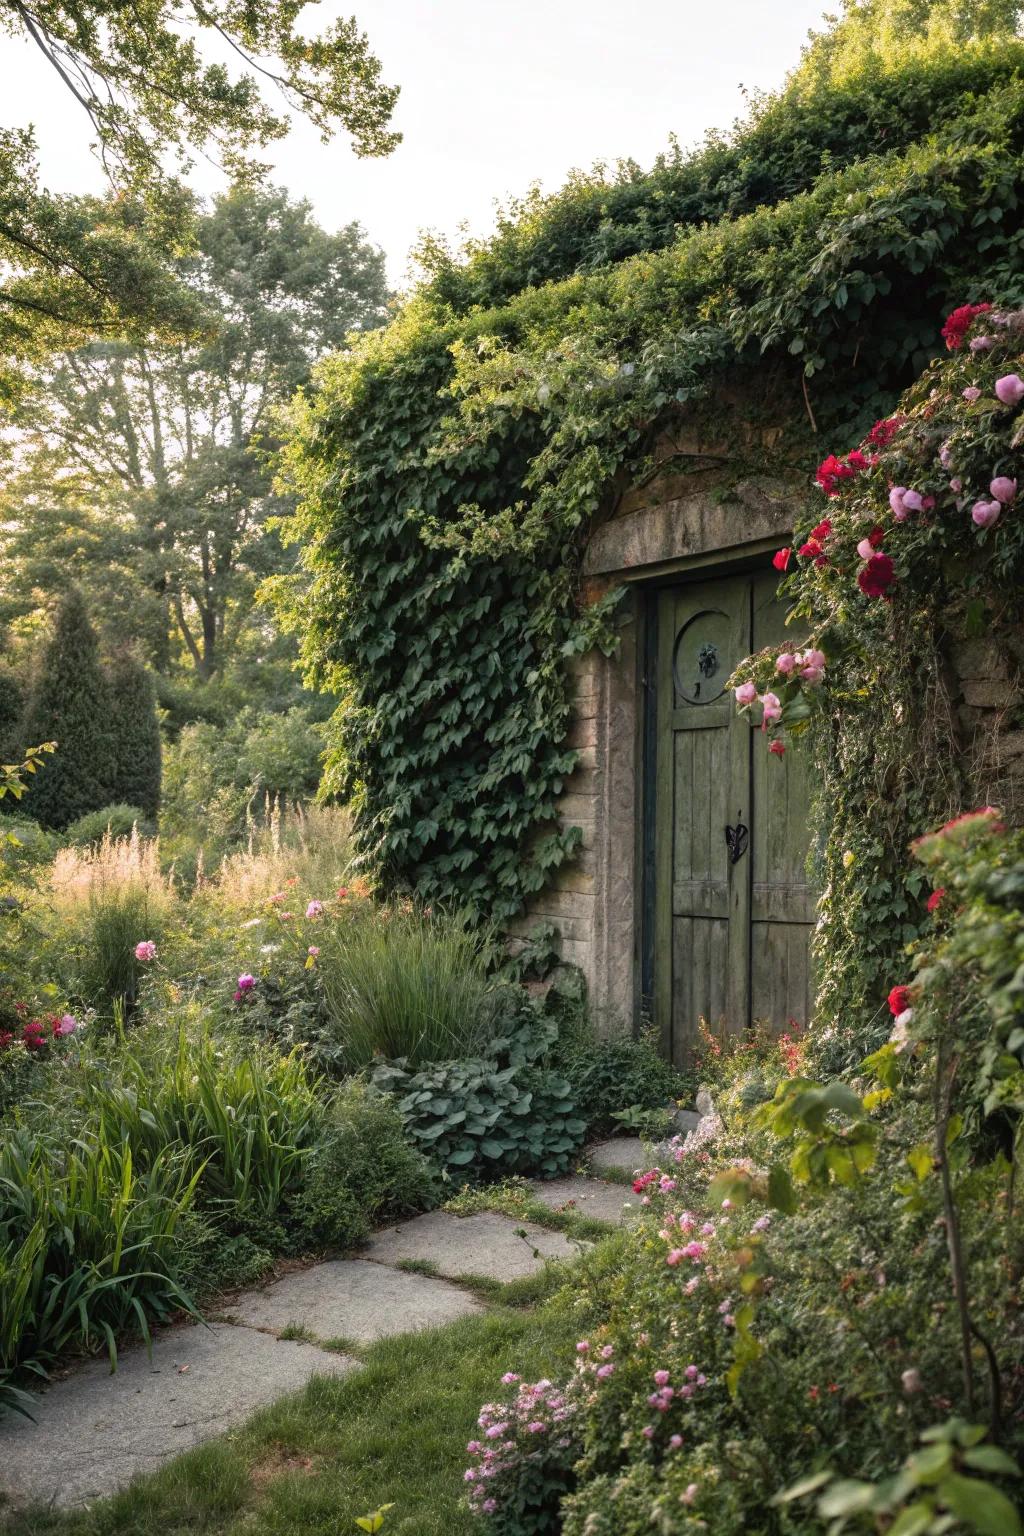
[{"x": 496, "y": 94}]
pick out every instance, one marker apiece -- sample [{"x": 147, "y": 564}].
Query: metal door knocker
[{"x": 737, "y": 838}]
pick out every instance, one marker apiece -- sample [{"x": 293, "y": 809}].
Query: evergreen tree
[
  {"x": 135, "y": 735},
  {"x": 69, "y": 703}
]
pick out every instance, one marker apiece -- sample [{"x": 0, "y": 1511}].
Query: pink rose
[
  {"x": 980, "y": 343},
  {"x": 1010, "y": 389},
  {"x": 986, "y": 513},
  {"x": 786, "y": 662},
  {"x": 913, "y": 501},
  {"x": 772, "y": 706},
  {"x": 145, "y": 951},
  {"x": 865, "y": 549},
  {"x": 746, "y": 693},
  {"x": 896, "y": 496},
  {"x": 1003, "y": 489}
]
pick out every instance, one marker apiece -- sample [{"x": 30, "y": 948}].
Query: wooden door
[{"x": 732, "y": 907}]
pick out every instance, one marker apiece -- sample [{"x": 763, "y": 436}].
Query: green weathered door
[{"x": 732, "y": 907}]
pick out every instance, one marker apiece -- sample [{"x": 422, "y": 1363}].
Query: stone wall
[{"x": 987, "y": 689}]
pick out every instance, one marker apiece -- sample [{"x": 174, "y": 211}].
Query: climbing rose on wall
[{"x": 959, "y": 323}]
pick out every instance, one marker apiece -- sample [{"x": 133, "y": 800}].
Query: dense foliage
[
  {"x": 823, "y": 1278},
  {"x": 452, "y": 466}
]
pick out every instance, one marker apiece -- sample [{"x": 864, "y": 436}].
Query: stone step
[
  {"x": 351, "y": 1299},
  {"x": 485, "y": 1244},
  {"x": 621, "y": 1154},
  {"x": 95, "y": 1431},
  {"x": 613, "y": 1203}
]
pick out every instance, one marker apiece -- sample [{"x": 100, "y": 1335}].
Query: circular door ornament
[{"x": 701, "y": 658}]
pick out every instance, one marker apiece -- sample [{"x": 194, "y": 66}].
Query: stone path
[{"x": 95, "y": 1431}]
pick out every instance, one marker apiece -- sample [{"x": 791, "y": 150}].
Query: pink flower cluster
[{"x": 536, "y": 1424}]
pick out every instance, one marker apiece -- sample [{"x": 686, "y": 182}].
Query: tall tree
[
  {"x": 70, "y": 267},
  {"x": 68, "y": 704},
  {"x": 140, "y": 468}
]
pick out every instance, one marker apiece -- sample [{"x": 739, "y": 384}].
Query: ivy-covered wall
[{"x": 453, "y": 468}]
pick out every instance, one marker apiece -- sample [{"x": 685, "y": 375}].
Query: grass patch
[
  {"x": 395, "y": 1430},
  {"x": 418, "y": 1267},
  {"x": 514, "y": 1197},
  {"x": 297, "y": 1333}
]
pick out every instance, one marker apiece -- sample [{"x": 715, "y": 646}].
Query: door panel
[{"x": 732, "y": 923}]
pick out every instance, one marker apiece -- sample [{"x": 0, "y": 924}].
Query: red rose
[
  {"x": 780, "y": 559},
  {"x": 6, "y": 1039},
  {"x": 856, "y": 460},
  {"x": 899, "y": 1000},
  {"x": 777, "y": 749},
  {"x": 883, "y": 432},
  {"x": 959, "y": 323},
  {"x": 935, "y": 898},
  {"x": 876, "y": 536},
  {"x": 876, "y": 577},
  {"x": 822, "y": 531},
  {"x": 811, "y": 550}
]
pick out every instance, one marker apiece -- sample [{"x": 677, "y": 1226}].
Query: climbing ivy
[{"x": 450, "y": 467}]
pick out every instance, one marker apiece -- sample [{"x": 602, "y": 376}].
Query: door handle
[{"x": 737, "y": 838}]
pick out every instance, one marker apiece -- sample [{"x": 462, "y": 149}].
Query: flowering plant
[
  {"x": 522, "y": 1465},
  {"x": 924, "y": 512}
]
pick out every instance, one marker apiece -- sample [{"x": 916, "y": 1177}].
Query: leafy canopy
[{"x": 75, "y": 267}]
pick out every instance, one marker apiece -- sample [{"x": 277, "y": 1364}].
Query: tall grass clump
[
  {"x": 87, "y": 1245},
  {"x": 400, "y": 983},
  {"x": 250, "y": 1117},
  {"x": 108, "y": 896},
  {"x": 306, "y": 847}
]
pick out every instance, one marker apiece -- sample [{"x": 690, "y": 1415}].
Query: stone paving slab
[
  {"x": 351, "y": 1299},
  {"x": 96, "y": 1431},
  {"x": 484, "y": 1244},
  {"x": 624, "y": 1154},
  {"x": 614, "y": 1203}
]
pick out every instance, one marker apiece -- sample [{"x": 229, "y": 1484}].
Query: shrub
[
  {"x": 115, "y": 821},
  {"x": 135, "y": 735},
  {"x": 523, "y": 1467},
  {"x": 614, "y": 1073},
  {"x": 69, "y": 704},
  {"x": 363, "y": 1171},
  {"x": 491, "y": 1116}
]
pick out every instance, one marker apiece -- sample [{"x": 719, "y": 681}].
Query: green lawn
[{"x": 393, "y": 1431}]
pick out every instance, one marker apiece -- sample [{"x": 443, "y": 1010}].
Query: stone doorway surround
[{"x": 717, "y": 516}]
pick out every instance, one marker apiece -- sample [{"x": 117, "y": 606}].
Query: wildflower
[
  {"x": 876, "y": 576},
  {"x": 315, "y": 909},
  {"x": 65, "y": 1025},
  {"x": 246, "y": 982},
  {"x": 145, "y": 951},
  {"x": 690, "y": 1494},
  {"x": 972, "y": 392},
  {"x": 781, "y": 558},
  {"x": 912, "y": 1381},
  {"x": 675, "y": 1257},
  {"x": 981, "y": 343},
  {"x": 313, "y": 951},
  {"x": 1010, "y": 389},
  {"x": 661, "y": 1378},
  {"x": 607, "y": 1351},
  {"x": 986, "y": 513},
  {"x": 583, "y": 1347},
  {"x": 604, "y": 1371},
  {"x": 746, "y": 693},
  {"x": 1003, "y": 489},
  {"x": 849, "y": 859},
  {"x": 675, "y": 1441},
  {"x": 536, "y": 1428},
  {"x": 648, "y": 1431},
  {"x": 935, "y": 898},
  {"x": 956, "y": 485},
  {"x": 489, "y": 1506},
  {"x": 509, "y": 1377}
]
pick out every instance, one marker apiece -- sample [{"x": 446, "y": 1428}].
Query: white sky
[{"x": 496, "y": 94}]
